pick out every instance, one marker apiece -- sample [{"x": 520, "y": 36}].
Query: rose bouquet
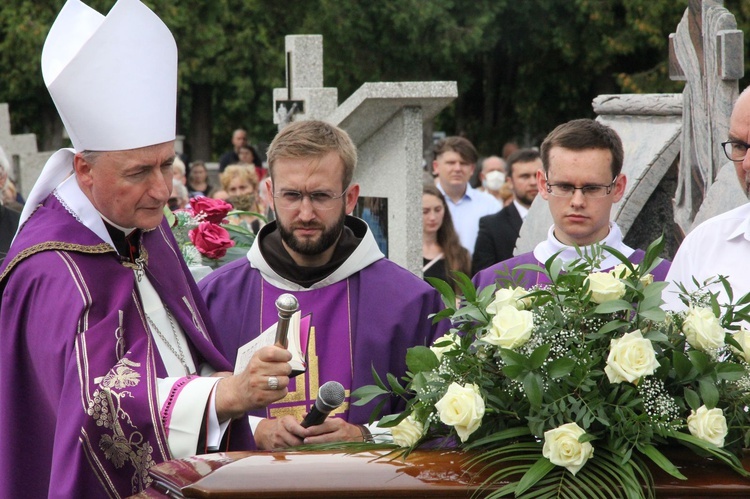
[
  {"x": 574, "y": 390},
  {"x": 204, "y": 235}
]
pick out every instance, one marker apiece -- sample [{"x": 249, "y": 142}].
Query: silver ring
[{"x": 273, "y": 383}]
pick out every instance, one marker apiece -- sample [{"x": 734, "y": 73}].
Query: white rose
[
  {"x": 462, "y": 408},
  {"x": 703, "y": 329},
  {"x": 605, "y": 287},
  {"x": 630, "y": 358},
  {"x": 709, "y": 425},
  {"x": 512, "y": 297},
  {"x": 647, "y": 279},
  {"x": 620, "y": 271},
  {"x": 407, "y": 432},
  {"x": 510, "y": 328},
  {"x": 562, "y": 448},
  {"x": 743, "y": 338},
  {"x": 439, "y": 351}
]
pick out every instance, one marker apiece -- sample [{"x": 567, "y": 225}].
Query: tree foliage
[{"x": 522, "y": 67}]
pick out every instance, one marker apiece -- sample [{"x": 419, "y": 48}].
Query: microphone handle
[{"x": 314, "y": 417}]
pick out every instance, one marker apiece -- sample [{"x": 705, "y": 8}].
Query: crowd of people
[{"x": 138, "y": 368}]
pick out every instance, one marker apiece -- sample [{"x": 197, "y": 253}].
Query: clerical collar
[
  {"x": 544, "y": 250},
  {"x": 281, "y": 261},
  {"x": 126, "y": 241}
]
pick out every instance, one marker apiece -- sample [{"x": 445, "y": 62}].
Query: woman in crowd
[
  {"x": 442, "y": 252},
  {"x": 241, "y": 185},
  {"x": 197, "y": 182}
]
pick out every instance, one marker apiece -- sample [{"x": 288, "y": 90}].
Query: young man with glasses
[
  {"x": 581, "y": 179},
  {"x": 366, "y": 310},
  {"x": 720, "y": 245}
]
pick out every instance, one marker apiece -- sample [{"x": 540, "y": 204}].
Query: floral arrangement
[
  {"x": 204, "y": 234},
  {"x": 574, "y": 390}
]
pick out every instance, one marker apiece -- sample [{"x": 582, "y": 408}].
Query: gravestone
[
  {"x": 26, "y": 161},
  {"x": 385, "y": 120},
  {"x": 706, "y": 52}
]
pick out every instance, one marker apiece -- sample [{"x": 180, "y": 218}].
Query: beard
[{"x": 310, "y": 247}]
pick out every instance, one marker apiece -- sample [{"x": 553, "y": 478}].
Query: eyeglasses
[
  {"x": 589, "y": 191},
  {"x": 736, "y": 150},
  {"x": 320, "y": 200}
]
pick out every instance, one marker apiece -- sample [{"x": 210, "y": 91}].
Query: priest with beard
[{"x": 366, "y": 310}]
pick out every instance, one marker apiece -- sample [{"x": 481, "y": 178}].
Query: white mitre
[{"x": 113, "y": 80}]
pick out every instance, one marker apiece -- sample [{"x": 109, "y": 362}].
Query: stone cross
[{"x": 707, "y": 53}]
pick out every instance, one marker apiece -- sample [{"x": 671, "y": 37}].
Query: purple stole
[{"x": 332, "y": 337}]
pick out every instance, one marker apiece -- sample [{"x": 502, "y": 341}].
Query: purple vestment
[
  {"x": 389, "y": 310},
  {"x": 80, "y": 415},
  {"x": 528, "y": 279}
]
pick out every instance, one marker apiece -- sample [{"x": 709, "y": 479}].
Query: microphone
[
  {"x": 286, "y": 305},
  {"x": 330, "y": 396}
]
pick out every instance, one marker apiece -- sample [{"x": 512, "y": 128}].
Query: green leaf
[
  {"x": 421, "y": 358},
  {"x": 613, "y": 306},
  {"x": 466, "y": 286},
  {"x": 700, "y": 360},
  {"x": 692, "y": 399},
  {"x": 539, "y": 356},
  {"x": 661, "y": 461},
  {"x": 560, "y": 367},
  {"x": 532, "y": 385},
  {"x": 654, "y": 314},
  {"x": 395, "y": 385},
  {"x": 366, "y": 394},
  {"x": 514, "y": 371},
  {"x": 445, "y": 290},
  {"x": 613, "y": 326},
  {"x": 682, "y": 364},
  {"x": 537, "y": 471},
  {"x": 709, "y": 392}
]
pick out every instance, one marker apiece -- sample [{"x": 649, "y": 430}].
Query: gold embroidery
[
  {"x": 52, "y": 246},
  {"x": 300, "y": 395},
  {"x": 121, "y": 447}
]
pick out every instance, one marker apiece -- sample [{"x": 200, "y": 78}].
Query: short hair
[
  {"x": 461, "y": 145},
  {"x": 179, "y": 190},
  {"x": 244, "y": 172},
  {"x": 522, "y": 156},
  {"x": 582, "y": 134},
  {"x": 179, "y": 165},
  {"x": 313, "y": 139}
]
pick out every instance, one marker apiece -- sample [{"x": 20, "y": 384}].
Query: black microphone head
[{"x": 330, "y": 396}]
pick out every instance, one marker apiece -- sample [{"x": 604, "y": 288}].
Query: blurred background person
[
  {"x": 179, "y": 198},
  {"x": 197, "y": 181},
  {"x": 8, "y": 217},
  {"x": 492, "y": 178},
  {"x": 442, "y": 252},
  {"x": 247, "y": 155},
  {"x": 179, "y": 171},
  {"x": 241, "y": 185}
]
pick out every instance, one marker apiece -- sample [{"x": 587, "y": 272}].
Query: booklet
[{"x": 298, "y": 337}]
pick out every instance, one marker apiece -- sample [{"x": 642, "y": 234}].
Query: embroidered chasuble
[
  {"x": 367, "y": 311},
  {"x": 89, "y": 393}
]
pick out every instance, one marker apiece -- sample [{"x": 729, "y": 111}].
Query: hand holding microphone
[{"x": 330, "y": 396}]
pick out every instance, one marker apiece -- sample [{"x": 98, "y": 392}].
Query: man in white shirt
[{"x": 455, "y": 161}]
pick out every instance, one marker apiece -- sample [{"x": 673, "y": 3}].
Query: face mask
[
  {"x": 244, "y": 202},
  {"x": 494, "y": 180}
]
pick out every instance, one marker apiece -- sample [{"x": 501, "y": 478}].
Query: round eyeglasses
[
  {"x": 563, "y": 190},
  {"x": 320, "y": 200}
]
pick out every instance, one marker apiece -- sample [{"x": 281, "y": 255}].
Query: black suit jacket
[{"x": 496, "y": 239}]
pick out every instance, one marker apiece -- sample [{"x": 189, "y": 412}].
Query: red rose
[
  {"x": 211, "y": 240},
  {"x": 214, "y": 210}
]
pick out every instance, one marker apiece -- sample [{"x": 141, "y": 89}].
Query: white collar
[
  {"x": 71, "y": 196},
  {"x": 552, "y": 245}
]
